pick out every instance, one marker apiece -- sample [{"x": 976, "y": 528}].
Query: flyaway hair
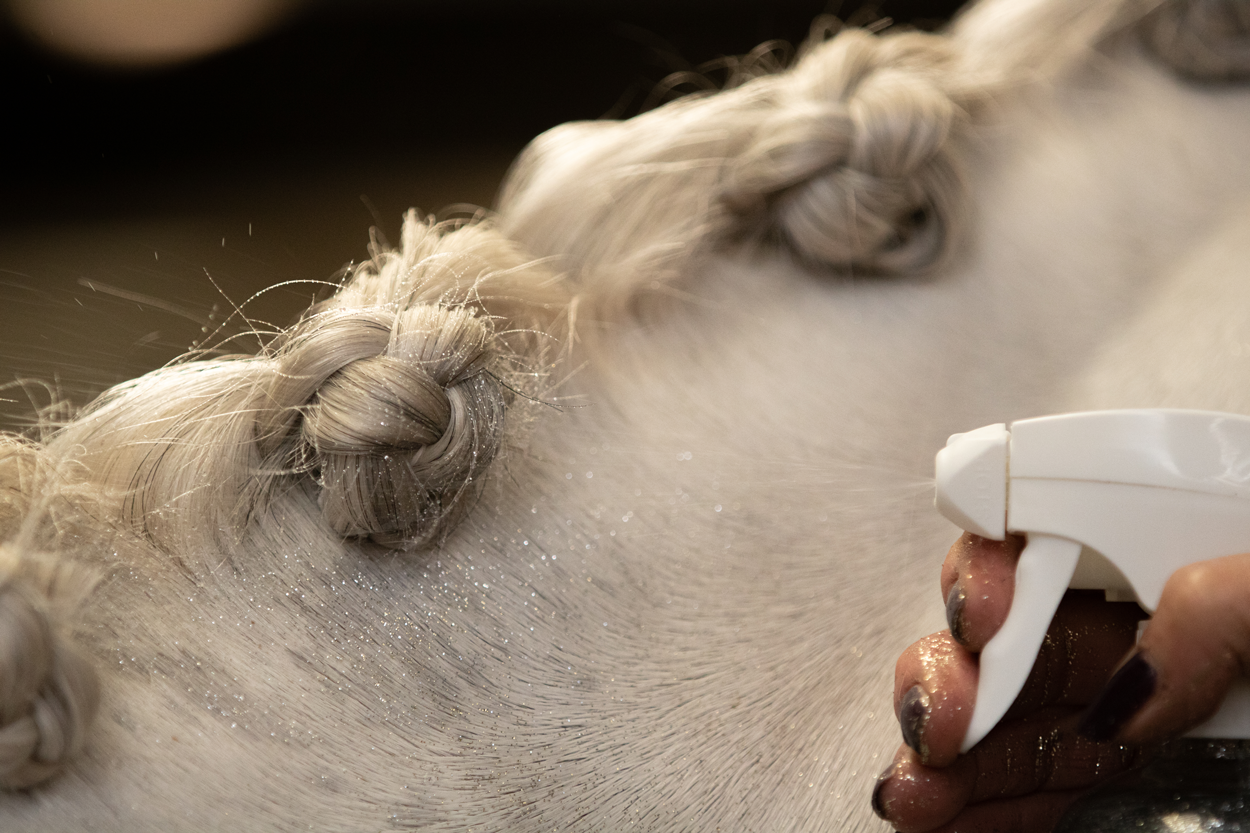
[
  {"x": 49, "y": 691},
  {"x": 850, "y": 161},
  {"x": 380, "y": 415},
  {"x": 387, "y": 404}
]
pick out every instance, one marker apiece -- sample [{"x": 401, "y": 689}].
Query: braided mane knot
[
  {"x": 1207, "y": 40},
  {"x": 854, "y": 168},
  {"x": 48, "y": 692},
  {"x": 399, "y": 415}
]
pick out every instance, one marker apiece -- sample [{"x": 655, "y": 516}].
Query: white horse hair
[{"x": 610, "y": 511}]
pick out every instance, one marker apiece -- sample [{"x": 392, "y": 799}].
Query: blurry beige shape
[{"x": 144, "y": 32}]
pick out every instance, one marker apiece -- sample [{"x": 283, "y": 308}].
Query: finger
[
  {"x": 1084, "y": 643},
  {"x": 1030, "y": 814},
  {"x": 913, "y": 797},
  {"x": 1040, "y": 755},
  {"x": 935, "y": 685},
  {"x": 935, "y": 680},
  {"x": 1044, "y": 753},
  {"x": 978, "y": 582},
  {"x": 1196, "y": 645}
]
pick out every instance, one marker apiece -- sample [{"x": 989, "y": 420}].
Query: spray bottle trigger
[{"x": 1042, "y": 575}]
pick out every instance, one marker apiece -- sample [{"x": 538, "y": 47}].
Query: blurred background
[{"x": 167, "y": 160}]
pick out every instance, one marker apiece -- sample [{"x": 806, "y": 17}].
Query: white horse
[{"x": 627, "y": 536}]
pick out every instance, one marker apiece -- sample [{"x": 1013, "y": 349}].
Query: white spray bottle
[{"x": 1109, "y": 500}]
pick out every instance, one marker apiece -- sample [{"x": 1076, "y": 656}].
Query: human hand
[{"x": 1024, "y": 774}]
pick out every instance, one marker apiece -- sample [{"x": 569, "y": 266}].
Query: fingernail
[
  {"x": 913, "y": 717},
  {"x": 1125, "y": 693},
  {"x": 878, "y": 805},
  {"x": 955, "y": 600}
]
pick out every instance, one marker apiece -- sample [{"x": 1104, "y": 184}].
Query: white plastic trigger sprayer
[{"x": 1109, "y": 500}]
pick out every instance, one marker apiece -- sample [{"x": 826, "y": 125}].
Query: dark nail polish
[
  {"x": 1123, "y": 696},
  {"x": 955, "y": 600},
  {"x": 913, "y": 716},
  {"x": 878, "y": 806}
]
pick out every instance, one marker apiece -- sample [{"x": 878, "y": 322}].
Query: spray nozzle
[
  {"x": 972, "y": 481},
  {"x": 1110, "y": 500}
]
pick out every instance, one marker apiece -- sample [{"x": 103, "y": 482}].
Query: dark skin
[{"x": 1024, "y": 774}]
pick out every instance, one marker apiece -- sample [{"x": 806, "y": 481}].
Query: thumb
[{"x": 1195, "y": 646}]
